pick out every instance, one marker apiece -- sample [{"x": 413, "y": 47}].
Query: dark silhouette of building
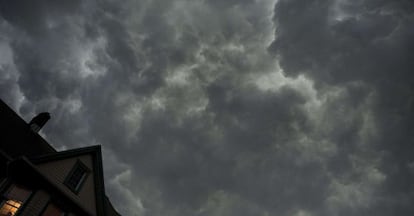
[{"x": 37, "y": 180}]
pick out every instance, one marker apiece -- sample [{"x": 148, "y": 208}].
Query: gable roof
[
  {"x": 21, "y": 169},
  {"x": 18, "y": 142},
  {"x": 95, "y": 152}
]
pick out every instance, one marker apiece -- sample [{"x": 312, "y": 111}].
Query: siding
[
  {"x": 56, "y": 171},
  {"x": 36, "y": 204}
]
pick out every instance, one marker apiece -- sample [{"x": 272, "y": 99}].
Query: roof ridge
[{"x": 65, "y": 154}]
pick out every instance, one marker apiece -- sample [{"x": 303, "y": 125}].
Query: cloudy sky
[{"x": 225, "y": 107}]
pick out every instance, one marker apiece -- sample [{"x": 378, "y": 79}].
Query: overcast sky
[{"x": 225, "y": 107}]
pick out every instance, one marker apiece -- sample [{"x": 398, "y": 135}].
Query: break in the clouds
[{"x": 225, "y": 107}]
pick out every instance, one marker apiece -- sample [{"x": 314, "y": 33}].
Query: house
[{"x": 37, "y": 180}]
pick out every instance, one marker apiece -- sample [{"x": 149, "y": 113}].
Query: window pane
[
  {"x": 13, "y": 199},
  {"x": 76, "y": 177},
  {"x": 9, "y": 208}
]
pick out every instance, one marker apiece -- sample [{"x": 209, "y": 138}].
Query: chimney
[{"x": 39, "y": 121}]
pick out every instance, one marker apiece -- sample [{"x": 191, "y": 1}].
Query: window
[
  {"x": 76, "y": 177},
  {"x": 13, "y": 199},
  {"x": 10, "y": 207}
]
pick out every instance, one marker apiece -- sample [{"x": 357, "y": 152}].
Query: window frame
[
  {"x": 23, "y": 203},
  {"x": 76, "y": 189}
]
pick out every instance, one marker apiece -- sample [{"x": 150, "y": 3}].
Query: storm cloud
[{"x": 233, "y": 107}]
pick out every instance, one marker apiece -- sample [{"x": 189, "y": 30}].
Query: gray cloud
[
  {"x": 368, "y": 43},
  {"x": 202, "y": 108}
]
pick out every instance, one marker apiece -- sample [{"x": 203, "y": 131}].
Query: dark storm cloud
[
  {"x": 32, "y": 17},
  {"x": 363, "y": 42},
  {"x": 188, "y": 162},
  {"x": 370, "y": 42},
  {"x": 195, "y": 116}
]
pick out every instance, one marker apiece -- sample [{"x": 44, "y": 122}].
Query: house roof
[
  {"x": 21, "y": 169},
  {"x": 14, "y": 130},
  {"x": 95, "y": 152},
  {"x": 18, "y": 142}
]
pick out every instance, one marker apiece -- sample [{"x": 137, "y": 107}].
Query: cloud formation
[{"x": 241, "y": 107}]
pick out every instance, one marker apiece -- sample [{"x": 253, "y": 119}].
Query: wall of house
[
  {"x": 57, "y": 172},
  {"x": 36, "y": 204}
]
